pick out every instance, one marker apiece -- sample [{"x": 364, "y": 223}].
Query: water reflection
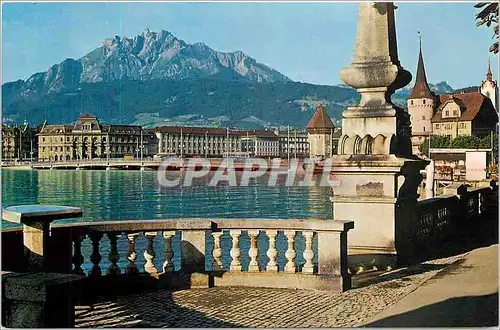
[{"x": 131, "y": 195}]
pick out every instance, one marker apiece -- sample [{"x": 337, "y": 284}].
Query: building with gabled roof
[
  {"x": 464, "y": 114},
  {"x": 471, "y": 113},
  {"x": 320, "y": 134}
]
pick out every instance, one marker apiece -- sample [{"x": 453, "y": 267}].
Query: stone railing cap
[
  {"x": 211, "y": 224},
  {"x": 32, "y": 213}
]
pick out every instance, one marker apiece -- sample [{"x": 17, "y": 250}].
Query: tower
[
  {"x": 420, "y": 106},
  {"x": 319, "y": 133},
  {"x": 489, "y": 88}
]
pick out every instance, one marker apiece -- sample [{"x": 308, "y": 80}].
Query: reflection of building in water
[
  {"x": 320, "y": 134},
  {"x": 317, "y": 204},
  {"x": 88, "y": 139}
]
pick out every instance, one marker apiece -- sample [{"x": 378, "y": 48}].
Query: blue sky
[{"x": 308, "y": 42}]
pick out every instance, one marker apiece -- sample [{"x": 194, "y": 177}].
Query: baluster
[
  {"x": 254, "y": 251},
  {"x": 149, "y": 253},
  {"x": 272, "y": 252},
  {"x": 77, "y": 256},
  {"x": 235, "y": 251},
  {"x": 95, "y": 257},
  {"x": 217, "y": 252},
  {"x": 290, "y": 252},
  {"x": 308, "y": 267},
  {"x": 168, "y": 265},
  {"x": 132, "y": 254},
  {"x": 113, "y": 255}
]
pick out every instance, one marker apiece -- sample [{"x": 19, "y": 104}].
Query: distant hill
[
  {"x": 207, "y": 101},
  {"x": 158, "y": 79}
]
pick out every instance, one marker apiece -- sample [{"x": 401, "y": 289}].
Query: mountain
[
  {"x": 401, "y": 95},
  {"x": 158, "y": 79},
  {"x": 192, "y": 102},
  {"x": 150, "y": 55}
]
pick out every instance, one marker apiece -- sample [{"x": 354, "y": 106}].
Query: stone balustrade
[
  {"x": 286, "y": 253},
  {"x": 440, "y": 220}
]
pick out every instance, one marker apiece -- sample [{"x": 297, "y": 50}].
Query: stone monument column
[{"x": 378, "y": 174}]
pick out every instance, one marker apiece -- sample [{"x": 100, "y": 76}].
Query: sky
[{"x": 308, "y": 42}]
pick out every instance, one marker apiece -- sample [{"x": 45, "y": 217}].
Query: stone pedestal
[
  {"x": 36, "y": 221},
  {"x": 378, "y": 193},
  {"x": 41, "y": 300}
]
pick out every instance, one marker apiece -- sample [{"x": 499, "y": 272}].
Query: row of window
[
  {"x": 112, "y": 139},
  {"x": 447, "y": 113},
  {"x": 450, "y": 126},
  {"x": 411, "y": 102}
]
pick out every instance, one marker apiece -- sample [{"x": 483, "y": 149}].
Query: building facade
[
  {"x": 260, "y": 143},
  {"x": 215, "y": 142},
  {"x": 320, "y": 134},
  {"x": 87, "y": 139},
  {"x": 464, "y": 113},
  {"x": 196, "y": 141},
  {"x": 293, "y": 144},
  {"x": 19, "y": 142}
]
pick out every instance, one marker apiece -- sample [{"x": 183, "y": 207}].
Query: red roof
[
  {"x": 421, "y": 88},
  {"x": 320, "y": 119},
  {"x": 470, "y": 103}
]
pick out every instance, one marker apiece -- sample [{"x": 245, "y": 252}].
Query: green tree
[
  {"x": 437, "y": 141},
  {"x": 466, "y": 142},
  {"x": 487, "y": 16},
  {"x": 486, "y": 144}
]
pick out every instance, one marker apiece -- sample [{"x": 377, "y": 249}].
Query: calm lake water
[{"x": 135, "y": 195}]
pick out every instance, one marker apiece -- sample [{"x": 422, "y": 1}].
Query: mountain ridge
[
  {"x": 156, "y": 78},
  {"x": 149, "y": 55}
]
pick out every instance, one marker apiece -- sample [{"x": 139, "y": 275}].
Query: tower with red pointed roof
[
  {"x": 489, "y": 88},
  {"x": 421, "y": 104},
  {"x": 320, "y": 133}
]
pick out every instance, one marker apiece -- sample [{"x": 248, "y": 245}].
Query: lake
[{"x": 136, "y": 195}]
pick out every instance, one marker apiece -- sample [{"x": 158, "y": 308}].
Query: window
[
  {"x": 437, "y": 126},
  {"x": 455, "y": 113},
  {"x": 424, "y": 101},
  {"x": 423, "y": 117},
  {"x": 446, "y": 113},
  {"x": 424, "y": 128}
]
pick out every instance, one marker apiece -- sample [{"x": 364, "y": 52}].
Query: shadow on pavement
[
  {"x": 476, "y": 311},
  {"x": 145, "y": 310}
]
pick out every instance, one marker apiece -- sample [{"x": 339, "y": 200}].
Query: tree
[
  {"x": 466, "y": 142},
  {"x": 489, "y": 15},
  {"x": 486, "y": 144},
  {"x": 437, "y": 141}
]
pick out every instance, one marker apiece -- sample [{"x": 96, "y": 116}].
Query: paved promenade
[
  {"x": 465, "y": 294},
  {"x": 375, "y": 301}
]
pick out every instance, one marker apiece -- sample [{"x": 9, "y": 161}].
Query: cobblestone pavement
[{"x": 251, "y": 307}]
